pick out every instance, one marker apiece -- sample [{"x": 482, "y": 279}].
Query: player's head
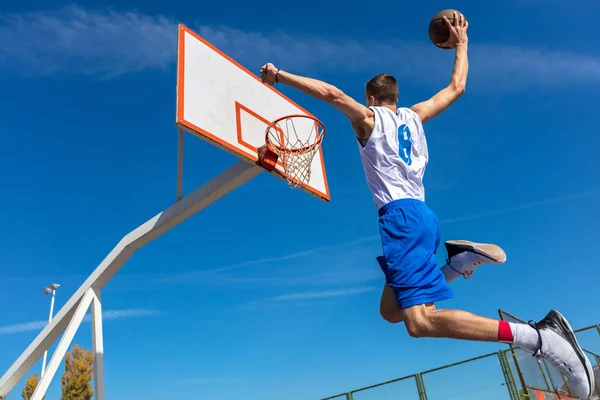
[{"x": 382, "y": 90}]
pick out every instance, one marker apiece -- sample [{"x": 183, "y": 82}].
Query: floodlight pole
[
  {"x": 68, "y": 319},
  {"x": 49, "y": 290}
]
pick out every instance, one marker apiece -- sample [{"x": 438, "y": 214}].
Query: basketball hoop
[{"x": 292, "y": 142}]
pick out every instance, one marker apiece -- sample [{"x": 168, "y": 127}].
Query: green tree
[
  {"x": 30, "y": 385},
  {"x": 77, "y": 377}
]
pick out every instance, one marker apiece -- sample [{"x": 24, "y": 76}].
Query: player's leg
[
  {"x": 424, "y": 320},
  {"x": 388, "y": 307},
  {"x": 551, "y": 338}
]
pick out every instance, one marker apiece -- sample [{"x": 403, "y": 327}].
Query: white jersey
[{"x": 395, "y": 156}]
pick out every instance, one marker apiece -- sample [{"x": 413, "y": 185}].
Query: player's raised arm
[
  {"x": 356, "y": 112},
  {"x": 445, "y": 97}
]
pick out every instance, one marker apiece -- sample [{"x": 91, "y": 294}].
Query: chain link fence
[{"x": 510, "y": 374}]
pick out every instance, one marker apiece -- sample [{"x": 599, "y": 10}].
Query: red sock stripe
[{"x": 505, "y": 334}]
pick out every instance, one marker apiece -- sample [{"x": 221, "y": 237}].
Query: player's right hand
[
  {"x": 268, "y": 74},
  {"x": 458, "y": 31}
]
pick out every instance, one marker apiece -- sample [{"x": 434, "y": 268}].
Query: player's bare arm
[
  {"x": 360, "y": 116},
  {"x": 445, "y": 97}
]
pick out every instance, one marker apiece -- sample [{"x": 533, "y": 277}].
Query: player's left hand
[{"x": 268, "y": 73}]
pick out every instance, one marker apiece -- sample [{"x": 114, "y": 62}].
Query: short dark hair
[{"x": 384, "y": 88}]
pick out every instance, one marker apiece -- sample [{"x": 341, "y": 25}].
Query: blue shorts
[{"x": 410, "y": 236}]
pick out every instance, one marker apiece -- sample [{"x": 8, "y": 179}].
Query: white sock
[
  {"x": 450, "y": 274},
  {"x": 458, "y": 262},
  {"x": 525, "y": 337}
]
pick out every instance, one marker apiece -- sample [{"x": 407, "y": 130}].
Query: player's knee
[{"x": 417, "y": 324}]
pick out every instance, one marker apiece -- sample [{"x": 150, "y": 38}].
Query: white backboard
[{"x": 224, "y": 103}]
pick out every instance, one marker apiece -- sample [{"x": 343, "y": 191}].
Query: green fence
[{"x": 510, "y": 374}]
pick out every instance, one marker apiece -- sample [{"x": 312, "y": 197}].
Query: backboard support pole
[
  {"x": 68, "y": 317},
  {"x": 98, "y": 346},
  {"x": 180, "y": 137},
  {"x": 63, "y": 346}
]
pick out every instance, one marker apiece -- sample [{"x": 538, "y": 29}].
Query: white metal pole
[
  {"x": 98, "y": 346},
  {"x": 180, "y": 164},
  {"x": 63, "y": 345},
  {"x": 49, "y": 320}
]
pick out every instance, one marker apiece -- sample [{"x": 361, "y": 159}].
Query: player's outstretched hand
[
  {"x": 268, "y": 74},
  {"x": 458, "y": 31}
]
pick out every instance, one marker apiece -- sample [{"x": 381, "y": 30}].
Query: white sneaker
[
  {"x": 464, "y": 256},
  {"x": 560, "y": 347}
]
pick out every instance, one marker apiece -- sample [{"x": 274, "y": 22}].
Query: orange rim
[{"x": 275, "y": 147}]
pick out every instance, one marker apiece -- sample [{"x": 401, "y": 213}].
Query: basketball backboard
[{"x": 221, "y": 101}]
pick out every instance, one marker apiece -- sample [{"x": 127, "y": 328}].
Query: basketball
[{"x": 438, "y": 30}]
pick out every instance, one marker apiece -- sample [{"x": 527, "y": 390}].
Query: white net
[{"x": 296, "y": 139}]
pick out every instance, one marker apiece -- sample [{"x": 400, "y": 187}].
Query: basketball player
[{"x": 393, "y": 148}]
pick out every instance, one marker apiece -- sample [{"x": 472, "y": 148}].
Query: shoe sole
[
  {"x": 491, "y": 251},
  {"x": 570, "y": 336}
]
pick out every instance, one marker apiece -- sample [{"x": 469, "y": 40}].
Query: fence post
[
  {"x": 547, "y": 375},
  {"x": 421, "y": 387},
  {"x": 349, "y": 396},
  {"x": 519, "y": 372},
  {"x": 508, "y": 376}
]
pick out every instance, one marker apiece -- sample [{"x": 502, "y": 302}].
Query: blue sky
[{"x": 89, "y": 152}]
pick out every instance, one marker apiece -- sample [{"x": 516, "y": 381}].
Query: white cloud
[
  {"x": 127, "y": 313},
  {"x": 534, "y": 204},
  {"x": 106, "y": 315},
  {"x": 206, "y": 380},
  {"x": 342, "y": 277},
  {"x": 300, "y": 299},
  {"x": 192, "y": 277},
  {"x": 28, "y": 326},
  {"x": 75, "y": 40},
  {"x": 324, "y": 294},
  {"x": 112, "y": 43}
]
